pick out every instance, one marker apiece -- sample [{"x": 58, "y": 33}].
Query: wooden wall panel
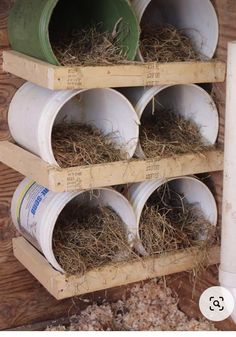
[
  {"x": 23, "y": 300},
  {"x": 5, "y": 6}
]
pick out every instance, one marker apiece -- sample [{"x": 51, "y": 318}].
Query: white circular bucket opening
[
  {"x": 34, "y": 111},
  {"x": 194, "y": 191},
  {"x": 190, "y": 101},
  {"x": 101, "y": 197},
  {"x": 105, "y": 197},
  {"x": 35, "y": 211},
  {"x": 108, "y": 111},
  {"x": 197, "y": 18}
]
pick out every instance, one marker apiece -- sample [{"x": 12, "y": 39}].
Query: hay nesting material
[
  {"x": 169, "y": 223},
  {"x": 166, "y": 44},
  {"x": 80, "y": 144},
  {"x": 88, "y": 238},
  {"x": 90, "y": 47},
  {"x": 166, "y": 133}
]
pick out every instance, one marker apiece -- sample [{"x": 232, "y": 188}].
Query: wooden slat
[
  {"x": 94, "y": 176},
  {"x": 149, "y": 74},
  {"x": 61, "y": 286},
  {"x": 135, "y": 171},
  {"x": 24, "y": 162}
]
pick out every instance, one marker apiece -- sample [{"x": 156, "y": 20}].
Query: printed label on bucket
[{"x": 28, "y": 206}]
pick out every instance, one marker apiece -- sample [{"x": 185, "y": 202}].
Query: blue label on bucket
[{"x": 38, "y": 200}]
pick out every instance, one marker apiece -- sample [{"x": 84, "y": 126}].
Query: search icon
[{"x": 216, "y": 303}]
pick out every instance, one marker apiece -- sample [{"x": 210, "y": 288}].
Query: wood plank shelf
[
  {"x": 62, "y": 286},
  {"x": 130, "y": 75},
  {"x": 110, "y": 174}
]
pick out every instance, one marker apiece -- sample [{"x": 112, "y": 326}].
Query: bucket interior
[
  {"x": 69, "y": 16},
  {"x": 107, "y": 198},
  {"x": 197, "y": 193},
  {"x": 108, "y": 111},
  {"x": 78, "y": 212},
  {"x": 191, "y": 102},
  {"x": 196, "y": 18},
  {"x": 194, "y": 193}
]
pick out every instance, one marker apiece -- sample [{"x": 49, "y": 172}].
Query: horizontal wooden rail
[
  {"x": 127, "y": 75},
  {"x": 62, "y": 286},
  {"x": 101, "y": 175}
]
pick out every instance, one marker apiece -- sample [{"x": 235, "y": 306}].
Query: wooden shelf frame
[
  {"x": 130, "y": 75},
  {"x": 102, "y": 175},
  {"x": 62, "y": 286}
]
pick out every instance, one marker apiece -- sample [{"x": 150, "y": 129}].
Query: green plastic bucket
[{"x": 31, "y": 23}]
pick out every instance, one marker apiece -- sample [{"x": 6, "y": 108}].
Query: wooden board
[
  {"x": 137, "y": 74},
  {"x": 101, "y": 175},
  {"x": 62, "y": 286}
]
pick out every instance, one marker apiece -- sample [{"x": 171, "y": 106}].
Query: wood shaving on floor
[{"x": 151, "y": 307}]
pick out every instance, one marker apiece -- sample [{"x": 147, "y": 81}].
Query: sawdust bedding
[{"x": 151, "y": 307}]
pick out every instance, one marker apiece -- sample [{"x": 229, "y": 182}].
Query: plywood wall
[{"x": 22, "y": 299}]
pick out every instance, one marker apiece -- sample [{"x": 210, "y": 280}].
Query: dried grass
[
  {"x": 166, "y": 44},
  {"x": 80, "y": 144},
  {"x": 166, "y": 133},
  {"x": 87, "y": 238},
  {"x": 90, "y": 46},
  {"x": 169, "y": 223}
]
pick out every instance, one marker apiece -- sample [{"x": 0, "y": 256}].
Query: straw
[
  {"x": 169, "y": 223},
  {"x": 166, "y": 133},
  {"x": 166, "y": 43},
  {"x": 78, "y": 144},
  {"x": 90, "y": 46},
  {"x": 87, "y": 238}
]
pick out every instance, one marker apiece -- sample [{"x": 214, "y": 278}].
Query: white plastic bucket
[
  {"x": 35, "y": 110},
  {"x": 35, "y": 211},
  {"x": 197, "y": 17},
  {"x": 189, "y": 100},
  {"x": 195, "y": 192}
]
